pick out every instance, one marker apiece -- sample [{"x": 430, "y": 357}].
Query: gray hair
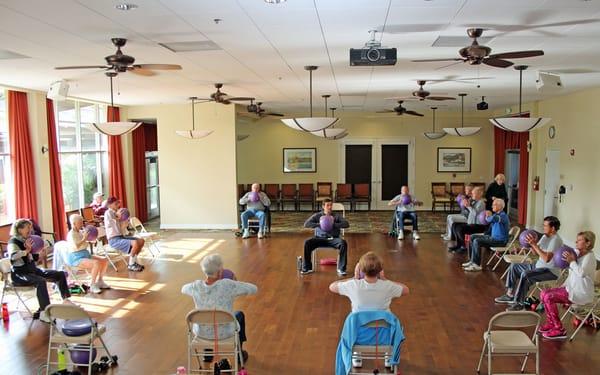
[
  {"x": 501, "y": 203},
  {"x": 211, "y": 265},
  {"x": 19, "y": 224},
  {"x": 75, "y": 218}
]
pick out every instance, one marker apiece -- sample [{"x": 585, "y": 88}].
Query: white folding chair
[
  {"x": 510, "y": 341},
  {"x": 228, "y": 347},
  {"x": 77, "y": 274},
  {"x": 339, "y": 207},
  {"x": 498, "y": 252},
  {"x": 523, "y": 255},
  {"x": 58, "y": 313},
  {"x": 5, "y": 268},
  {"x": 148, "y": 237},
  {"x": 112, "y": 255},
  {"x": 376, "y": 353},
  {"x": 589, "y": 311}
]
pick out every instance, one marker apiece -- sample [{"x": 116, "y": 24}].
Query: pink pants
[{"x": 551, "y": 298}]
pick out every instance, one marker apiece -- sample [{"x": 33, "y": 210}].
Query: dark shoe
[
  {"x": 135, "y": 267},
  {"x": 456, "y": 249},
  {"x": 515, "y": 307},
  {"x": 306, "y": 272},
  {"x": 505, "y": 298}
]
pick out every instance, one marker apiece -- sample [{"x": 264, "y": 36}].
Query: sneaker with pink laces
[
  {"x": 545, "y": 327},
  {"x": 555, "y": 334}
]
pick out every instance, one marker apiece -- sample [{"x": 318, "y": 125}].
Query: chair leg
[
  {"x": 481, "y": 356},
  {"x": 581, "y": 324},
  {"x": 524, "y": 362}
]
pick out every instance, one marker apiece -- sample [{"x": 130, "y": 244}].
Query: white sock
[{"x": 131, "y": 260}]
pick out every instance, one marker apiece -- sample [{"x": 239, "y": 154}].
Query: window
[
  {"x": 82, "y": 152},
  {"x": 6, "y": 186}
]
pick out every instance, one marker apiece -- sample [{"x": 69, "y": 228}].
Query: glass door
[{"x": 152, "y": 186}]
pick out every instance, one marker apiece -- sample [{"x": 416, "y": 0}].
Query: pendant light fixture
[
  {"x": 519, "y": 124},
  {"x": 462, "y": 131},
  {"x": 331, "y": 132},
  {"x": 433, "y": 134},
  {"x": 193, "y": 134},
  {"x": 115, "y": 127},
  {"x": 310, "y": 124}
]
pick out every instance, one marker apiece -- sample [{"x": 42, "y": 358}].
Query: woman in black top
[
  {"x": 496, "y": 189},
  {"x": 24, "y": 271}
]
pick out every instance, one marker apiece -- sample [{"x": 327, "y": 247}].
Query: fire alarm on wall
[{"x": 572, "y": 152}]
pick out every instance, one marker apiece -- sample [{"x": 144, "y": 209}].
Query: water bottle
[
  {"x": 299, "y": 263},
  {"x": 5, "y": 316},
  {"x": 62, "y": 360}
]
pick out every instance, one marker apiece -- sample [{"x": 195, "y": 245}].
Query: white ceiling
[{"x": 265, "y": 47}]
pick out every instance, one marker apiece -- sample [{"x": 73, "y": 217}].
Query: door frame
[
  {"x": 546, "y": 192},
  {"x": 376, "y": 202}
]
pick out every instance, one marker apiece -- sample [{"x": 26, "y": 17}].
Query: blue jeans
[
  {"x": 521, "y": 276},
  {"x": 480, "y": 240},
  {"x": 412, "y": 215},
  {"x": 252, "y": 212}
]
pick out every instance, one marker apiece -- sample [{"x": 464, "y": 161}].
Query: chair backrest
[
  {"x": 338, "y": 207},
  {"x": 362, "y": 190},
  {"x": 343, "y": 191},
  {"x": 515, "y": 319},
  {"x": 272, "y": 191},
  {"x": 135, "y": 222},
  {"x": 305, "y": 190},
  {"x": 378, "y": 323},
  {"x": 66, "y": 312},
  {"x": 513, "y": 234},
  {"x": 288, "y": 190},
  {"x": 62, "y": 249},
  {"x": 5, "y": 232},
  {"x": 5, "y": 266},
  {"x": 209, "y": 318},
  {"x": 438, "y": 189},
  {"x": 87, "y": 213},
  {"x": 457, "y": 188},
  {"x": 324, "y": 189}
]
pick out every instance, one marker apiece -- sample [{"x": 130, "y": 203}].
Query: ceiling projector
[
  {"x": 372, "y": 54},
  {"x": 482, "y": 106}
]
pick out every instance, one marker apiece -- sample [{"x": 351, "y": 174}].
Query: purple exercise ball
[
  {"x": 558, "y": 256},
  {"x": 459, "y": 198},
  {"x": 254, "y": 196},
  {"x": 80, "y": 356},
  {"x": 227, "y": 274},
  {"x": 38, "y": 244},
  {"x": 124, "y": 214},
  {"x": 481, "y": 218},
  {"x": 326, "y": 222},
  {"x": 406, "y": 199},
  {"x": 92, "y": 234},
  {"x": 523, "y": 237}
]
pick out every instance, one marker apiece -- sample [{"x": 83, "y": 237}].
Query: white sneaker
[
  {"x": 103, "y": 285},
  {"x": 416, "y": 235},
  {"x": 261, "y": 234},
  {"x": 356, "y": 360},
  {"x": 473, "y": 268},
  {"x": 401, "y": 235},
  {"x": 446, "y": 238},
  {"x": 387, "y": 360},
  {"x": 467, "y": 264},
  {"x": 95, "y": 289},
  {"x": 44, "y": 317},
  {"x": 246, "y": 233}
]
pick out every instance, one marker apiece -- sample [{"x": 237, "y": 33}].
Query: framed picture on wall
[
  {"x": 454, "y": 159},
  {"x": 299, "y": 160}
]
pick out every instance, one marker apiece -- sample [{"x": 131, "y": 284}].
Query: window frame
[{"x": 9, "y": 193}]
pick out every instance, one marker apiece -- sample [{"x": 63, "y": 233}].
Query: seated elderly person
[
  {"x": 405, "y": 209},
  {"x": 458, "y": 218},
  {"x": 499, "y": 223},
  {"x": 216, "y": 292},
  {"x": 522, "y": 275},
  {"x": 256, "y": 201},
  {"x": 327, "y": 225},
  {"x": 118, "y": 237},
  {"x": 80, "y": 256},
  {"x": 474, "y": 206},
  {"x": 99, "y": 205}
]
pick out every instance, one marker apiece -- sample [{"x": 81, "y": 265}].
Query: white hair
[
  {"x": 500, "y": 202},
  {"x": 75, "y": 218},
  {"x": 211, "y": 264}
]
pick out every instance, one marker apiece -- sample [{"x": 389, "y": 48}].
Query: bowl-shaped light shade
[
  {"x": 462, "y": 132},
  {"x": 342, "y": 135},
  {"x": 310, "y": 124},
  {"x": 116, "y": 128},
  {"x": 329, "y": 133},
  {"x": 434, "y": 135},
  {"x": 193, "y": 134},
  {"x": 519, "y": 124}
]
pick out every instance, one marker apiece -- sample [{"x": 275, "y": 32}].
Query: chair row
[
  {"x": 443, "y": 196},
  {"x": 306, "y": 194}
]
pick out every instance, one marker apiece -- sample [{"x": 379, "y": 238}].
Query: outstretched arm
[{"x": 312, "y": 221}]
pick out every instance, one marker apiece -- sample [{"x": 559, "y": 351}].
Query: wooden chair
[
  {"x": 324, "y": 191},
  {"x": 480, "y": 184},
  {"x": 306, "y": 194},
  {"x": 343, "y": 194},
  {"x": 439, "y": 195},
  {"x": 4, "y": 237},
  {"x": 89, "y": 217},
  {"x": 361, "y": 194},
  {"x": 456, "y": 188},
  {"x": 68, "y": 215},
  {"x": 289, "y": 194},
  {"x": 272, "y": 191}
]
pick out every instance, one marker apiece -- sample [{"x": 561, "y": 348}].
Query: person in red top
[{"x": 98, "y": 204}]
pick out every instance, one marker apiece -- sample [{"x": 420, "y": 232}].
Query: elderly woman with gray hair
[
  {"x": 496, "y": 189},
  {"x": 217, "y": 292}
]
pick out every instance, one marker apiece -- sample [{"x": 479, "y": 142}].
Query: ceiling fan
[
  {"x": 221, "y": 97},
  {"x": 400, "y": 110},
  {"x": 258, "y": 110},
  {"x": 476, "y": 54},
  {"x": 121, "y": 63}
]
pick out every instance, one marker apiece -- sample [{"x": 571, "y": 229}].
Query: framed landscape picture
[
  {"x": 454, "y": 159},
  {"x": 298, "y": 160}
]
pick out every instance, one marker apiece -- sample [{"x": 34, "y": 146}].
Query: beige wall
[
  {"x": 197, "y": 177},
  {"x": 260, "y": 156}
]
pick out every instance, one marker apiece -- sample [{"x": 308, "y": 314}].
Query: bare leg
[
  {"x": 90, "y": 264},
  {"x": 102, "y": 266}
]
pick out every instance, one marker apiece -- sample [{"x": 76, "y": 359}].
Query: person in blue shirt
[{"x": 499, "y": 225}]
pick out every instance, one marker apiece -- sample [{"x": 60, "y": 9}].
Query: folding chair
[
  {"x": 335, "y": 207},
  {"x": 375, "y": 353},
  {"x": 58, "y": 340},
  {"x": 511, "y": 342},
  {"x": 254, "y": 222},
  {"x": 498, "y": 252},
  {"x": 590, "y": 311},
  {"x": 541, "y": 285},
  {"x": 148, "y": 237},
  {"x": 112, "y": 255},
  {"x": 523, "y": 255},
  {"x": 5, "y": 268},
  {"x": 212, "y": 320},
  {"x": 78, "y": 275}
]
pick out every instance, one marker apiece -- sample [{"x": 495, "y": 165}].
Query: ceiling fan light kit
[
  {"x": 462, "y": 131},
  {"x": 310, "y": 124},
  {"x": 115, "y": 128},
  {"x": 519, "y": 124},
  {"x": 193, "y": 134},
  {"x": 433, "y": 134}
]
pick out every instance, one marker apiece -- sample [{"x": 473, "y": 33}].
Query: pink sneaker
[
  {"x": 555, "y": 334},
  {"x": 545, "y": 327}
]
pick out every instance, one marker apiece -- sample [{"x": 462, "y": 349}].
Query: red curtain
[
  {"x": 151, "y": 137},
  {"x": 56, "y": 192},
  {"x": 139, "y": 172},
  {"x": 21, "y": 156},
  {"x": 115, "y": 161},
  {"x": 504, "y": 140}
]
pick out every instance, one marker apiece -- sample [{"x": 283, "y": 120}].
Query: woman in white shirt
[
  {"x": 374, "y": 291},
  {"x": 80, "y": 256},
  {"x": 577, "y": 289}
]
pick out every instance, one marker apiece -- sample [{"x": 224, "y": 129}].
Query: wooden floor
[{"x": 294, "y": 322}]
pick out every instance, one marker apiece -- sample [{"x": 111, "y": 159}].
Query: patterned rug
[{"x": 360, "y": 222}]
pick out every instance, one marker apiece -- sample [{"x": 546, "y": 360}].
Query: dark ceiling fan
[
  {"x": 221, "y": 97},
  {"x": 258, "y": 110},
  {"x": 121, "y": 63},
  {"x": 476, "y": 54},
  {"x": 400, "y": 110}
]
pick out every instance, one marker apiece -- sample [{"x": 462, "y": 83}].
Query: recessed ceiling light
[
  {"x": 275, "y": 1},
  {"x": 125, "y": 6}
]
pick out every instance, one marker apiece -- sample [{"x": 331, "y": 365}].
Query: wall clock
[{"x": 551, "y": 132}]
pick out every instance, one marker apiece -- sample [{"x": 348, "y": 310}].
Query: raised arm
[
  {"x": 312, "y": 221},
  {"x": 340, "y": 222},
  {"x": 245, "y": 199},
  {"x": 264, "y": 198}
]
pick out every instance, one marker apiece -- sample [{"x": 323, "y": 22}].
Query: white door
[{"x": 552, "y": 176}]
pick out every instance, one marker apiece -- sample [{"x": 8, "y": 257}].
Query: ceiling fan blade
[
  {"x": 498, "y": 63},
  {"x": 142, "y": 72},
  {"x": 274, "y": 114},
  {"x": 239, "y": 98},
  {"x": 413, "y": 113},
  {"x": 158, "y": 66},
  {"x": 434, "y": 60},
  {"x": 83, "y": 67},
  {"x": 516, "y": 54},
  {"x": 440, "y": 98},
  {"x": 402, "y": 98},
  {"x": 385, "y": 111}
]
